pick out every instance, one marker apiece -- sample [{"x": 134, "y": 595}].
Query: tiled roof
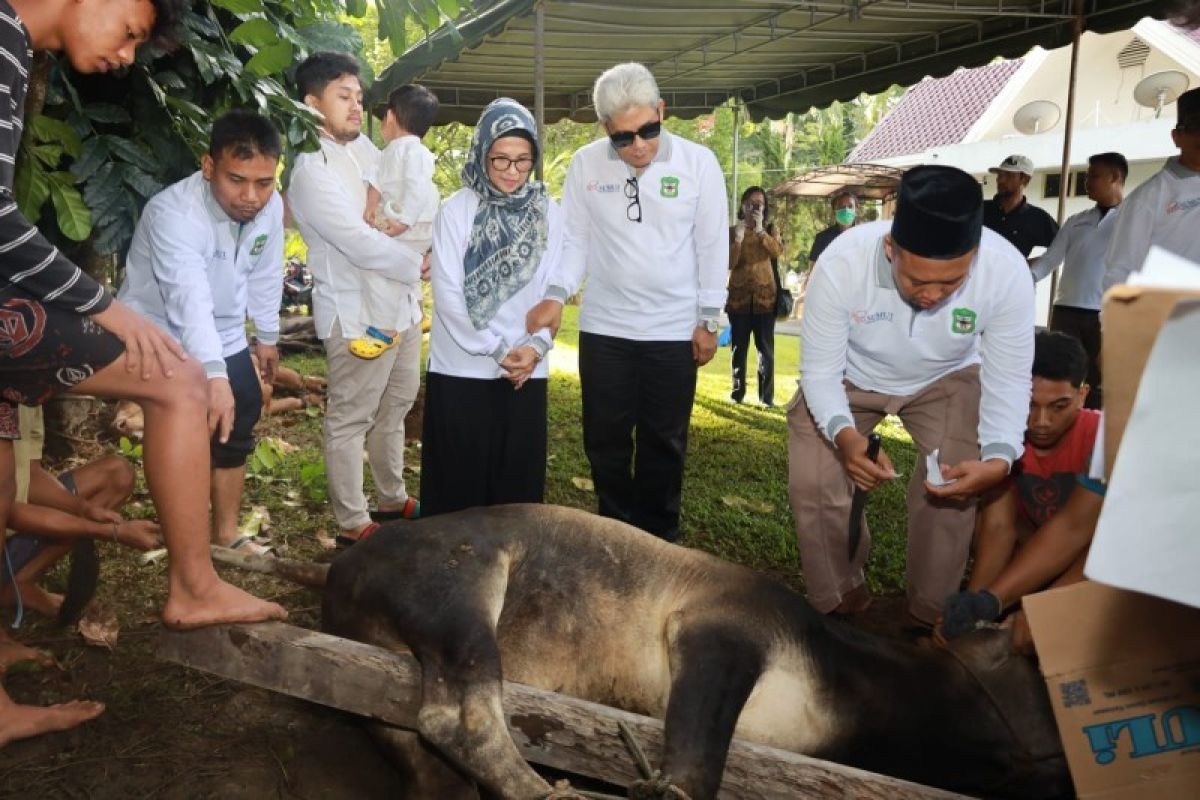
[{"x": 937, "y": 111}]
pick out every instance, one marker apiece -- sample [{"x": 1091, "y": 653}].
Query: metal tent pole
[
  {"x": 737, "y": 138},
  {"x": 1068, "y": 132},
  {"x": 539, "y": 82}
]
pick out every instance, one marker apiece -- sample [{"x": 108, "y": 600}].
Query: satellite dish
[
  {"x": 1159, "y": 89},
  {"x": 1036, "y": 117}
]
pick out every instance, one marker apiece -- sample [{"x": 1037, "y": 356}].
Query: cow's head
[{"x": 1023, "y": 718}]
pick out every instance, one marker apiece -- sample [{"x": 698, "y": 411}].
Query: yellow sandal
[{"x": 373, "y": 344}]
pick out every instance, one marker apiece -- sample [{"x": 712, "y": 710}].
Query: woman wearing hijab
[{"x": 495, "y": 243}]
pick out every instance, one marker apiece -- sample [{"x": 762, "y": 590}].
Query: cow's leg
[
  {"x": 426, "y": 773},
  {"x": 714, "y": 667},
  {"x": 461, "y": 712}
]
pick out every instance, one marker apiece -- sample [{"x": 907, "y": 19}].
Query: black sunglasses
[{"x": 622, "y": 139}]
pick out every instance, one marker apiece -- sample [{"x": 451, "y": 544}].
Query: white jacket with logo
[
  {"x": 199, "y": 274},
  {"x": 857, "y": 327},
  {"x": 1163, "y": 211}
]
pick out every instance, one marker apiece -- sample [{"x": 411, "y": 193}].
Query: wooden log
[{"x": 551, "y": 729}]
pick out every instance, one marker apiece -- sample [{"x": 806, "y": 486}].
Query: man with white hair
[{"x": 647, "y": 221}]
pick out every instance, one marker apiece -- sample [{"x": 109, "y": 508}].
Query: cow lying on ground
[{"x": 590, "y": 607}]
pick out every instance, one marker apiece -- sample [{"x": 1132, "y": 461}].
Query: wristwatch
[{"x": 710, "y": 325}]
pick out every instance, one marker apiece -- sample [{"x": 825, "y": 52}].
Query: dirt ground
[{"x": 172, "y": 733}]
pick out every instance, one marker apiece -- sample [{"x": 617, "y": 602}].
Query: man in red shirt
[{"x": 1034, "y": 530}]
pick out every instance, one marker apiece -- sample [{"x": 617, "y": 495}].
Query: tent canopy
[
  {"x": 867, "y": 181},
  {"x": 775, "y": 55}
]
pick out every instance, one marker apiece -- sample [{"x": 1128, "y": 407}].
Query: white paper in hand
[{"x": 933, "y": 470}]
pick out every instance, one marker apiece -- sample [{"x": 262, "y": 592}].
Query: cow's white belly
[{"x": 787, "y": 709}]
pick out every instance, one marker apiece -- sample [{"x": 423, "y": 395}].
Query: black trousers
[
  {"x": 637, "y": 401},
  {"x": 1084, "y": 325},
  {"x": 247, "y": 408},
  {"x": 763, "y": 327},
  {"x": 483, "y": 443}
]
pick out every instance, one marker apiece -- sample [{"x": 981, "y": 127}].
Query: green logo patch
[
  {"x": 962, "y": 320},
  {"x": 259, "y": 243},
  {"x": 669, "y": 187}
]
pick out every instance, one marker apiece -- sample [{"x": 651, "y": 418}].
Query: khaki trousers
[
  {"x": 368, "y": 400},
  {"x": 943, "y": 415}
]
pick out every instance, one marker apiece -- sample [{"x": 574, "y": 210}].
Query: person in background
[
  {"x": 1080, "y": 246},
  {"x": 368, "y": 398},
  {"x": 1165, "y": 210},
  {"x": 647, "y": 220},
  {"x": 206, "y": 256},
  {"x": 845, "y": 213},
  {"x": 754, "y": 247},
  {"x": 401, "y": 201},
  {"x": 496, "y": 242},
  {"x": 1011, "y": 215}
]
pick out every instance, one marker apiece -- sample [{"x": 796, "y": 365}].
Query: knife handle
[{"x": 874, "y": 440}]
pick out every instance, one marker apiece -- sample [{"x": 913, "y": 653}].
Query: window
[{"x": 1053, "y": 184}]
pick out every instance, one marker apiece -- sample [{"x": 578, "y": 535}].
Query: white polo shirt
[
  {"x": 1081, "y": 244},
  {"x": 199, "y": 274},
  {"x": 856, "y": 326},
  {"x": 455, "y": 346},
  {"x": 653, "y": 280},
  {"x": 327, "y": 197},
  {"x": 1163, "y": 211}
]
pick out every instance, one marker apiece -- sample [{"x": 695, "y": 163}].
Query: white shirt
[
  {"x": 1165, "y": 211},
  {"x": 1081, "y": 243},
  {"x": 857, "y": 327},
  {"x": 405, "y": 179},
  {"x": 327, "y": 196},
  {"x": 653, "y": 280},
  {"x": 199, "y": 274},
  {"x": 455, "y": 346}
]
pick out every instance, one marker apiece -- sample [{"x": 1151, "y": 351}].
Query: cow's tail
[{"x": 306, "y": 573}]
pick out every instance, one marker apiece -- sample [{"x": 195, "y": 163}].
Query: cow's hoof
[{"x": 562, "y": 791}]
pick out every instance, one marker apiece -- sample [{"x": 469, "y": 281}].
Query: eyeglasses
[
  {"x": 622, "y": 139},
  {"x": 633, "y": 212},
  {"x": 504, "y": 163}
]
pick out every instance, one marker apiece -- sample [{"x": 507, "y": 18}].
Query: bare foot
[
  {"x": 13, "y": 652},
  {"x": 35, "y": 598},
  {"x": 23, "y": 722},
  {"x": 222, "y": 602}
]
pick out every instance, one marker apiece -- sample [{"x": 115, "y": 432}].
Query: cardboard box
[
  {"x": 1123, "y": 672},
  {"x": 1132, "y": 318}
]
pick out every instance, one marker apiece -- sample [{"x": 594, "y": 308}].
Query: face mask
[{"x": 844, "y": 216}]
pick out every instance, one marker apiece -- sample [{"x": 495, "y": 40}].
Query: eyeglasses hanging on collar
[{"x": 633, "y": 212}]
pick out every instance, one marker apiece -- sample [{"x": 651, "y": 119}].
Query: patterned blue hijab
[{"x": 508, "y": 235}]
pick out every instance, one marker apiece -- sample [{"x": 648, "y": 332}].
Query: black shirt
[
  {"x": 823, "y": 240},
  {"x": 28, "y": 260},
  {"x": 1025, "y": 227}
]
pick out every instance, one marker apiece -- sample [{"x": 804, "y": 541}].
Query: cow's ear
[{"x": 985, "y": 650}]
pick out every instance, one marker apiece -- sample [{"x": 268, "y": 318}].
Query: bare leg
[
  {"x": 33, "y": 596},
  {"x": 107, "y": 482},
  {"x": 176, "y": 455},
  {"x": 227, "y": 485},
  {"x": 22, "y": 722}
]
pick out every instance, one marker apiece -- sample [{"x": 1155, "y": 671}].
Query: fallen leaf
[
  {"x": 99, "y": 627},
  {"x": 584, "y": 484},
  {"x": 325, "y": 540},
  {"x": 741, "y": 503}
]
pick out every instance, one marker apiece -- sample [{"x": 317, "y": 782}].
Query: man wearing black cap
[
  {"x": 1009, "y": 214},
  {"x": 928, "y": 317},
  {"x": 1165, "y": 210}
]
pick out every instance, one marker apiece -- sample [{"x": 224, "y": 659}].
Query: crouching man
[
  {"x": 208, "y": 254},
  {"x": 1034, "y": 530}
]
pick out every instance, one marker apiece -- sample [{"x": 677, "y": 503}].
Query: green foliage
[
  {"x": 104, "y": 144},
  {"x": 268, "y": 456},
  {"x": 313, "y": 482},
  {"x": 129, "y": 449}
]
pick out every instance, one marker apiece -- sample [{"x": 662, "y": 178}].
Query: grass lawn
[{"x": 735, "y": 488}]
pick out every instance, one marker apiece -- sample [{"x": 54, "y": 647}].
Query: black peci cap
[{"x": 939, "y": 212}]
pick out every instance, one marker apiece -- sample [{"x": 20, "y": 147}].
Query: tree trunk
[{"x": 39, "y": 79}]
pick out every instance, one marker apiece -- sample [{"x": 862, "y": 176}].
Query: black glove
[{"x": 963, "y": 612}]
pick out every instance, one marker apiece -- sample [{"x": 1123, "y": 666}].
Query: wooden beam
[{"x": 551, "y": 729}]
